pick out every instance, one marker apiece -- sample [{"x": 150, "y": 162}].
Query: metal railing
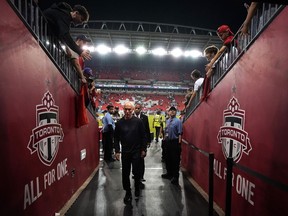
[
  {"x": 33, "y": 18},
  {"x": 210, "y": 175},
  {"x": 240, "y": 45}
]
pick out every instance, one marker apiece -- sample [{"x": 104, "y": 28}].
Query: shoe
[
  {"x": 137, "y": 193},
  {"x": 175, "y": 181},
  {"x": 166, "y": 176},
  {"x": 128, "y": 198}
]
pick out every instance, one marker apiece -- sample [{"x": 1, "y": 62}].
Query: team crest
[
  {"x": 48, "y": 133},
  {"x": 232, "y": 135}
]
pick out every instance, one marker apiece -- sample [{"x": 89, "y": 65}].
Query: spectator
[
  {"x": 60, "y": 16},
  {"x": 251, "y": 11},
  {"x": 131, "y": 133},
  {"x": 198, "y": 80},
  {"x": 78, "y": 61},
  {"x": 209, "y": 53},
  {"x": 226, "y": 35},
  {"x": 138, "y": 113},
  {"x": 108, "y": 133},
  {"x": 188, "y": 96},
  {"x": 173, "y": 138}
]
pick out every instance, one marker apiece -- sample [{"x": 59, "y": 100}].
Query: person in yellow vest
[{"x": 157, "y": 123}]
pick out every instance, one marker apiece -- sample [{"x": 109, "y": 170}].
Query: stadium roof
[{"x": 148, "y": 34}]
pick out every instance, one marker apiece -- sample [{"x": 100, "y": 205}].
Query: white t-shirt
[{"x": 198, "y": 84}]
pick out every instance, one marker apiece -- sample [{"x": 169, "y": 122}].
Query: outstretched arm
[{"x": 250, "y": 13}]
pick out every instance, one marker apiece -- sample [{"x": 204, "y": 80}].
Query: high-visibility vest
[{"x": 157, "y": 120}]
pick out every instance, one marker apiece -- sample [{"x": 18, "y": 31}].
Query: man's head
[
  {"x": 82, "y": 40},
  {"x": 88, "y": 73},
  {"x": 110, "y": 108},
  {"x": 210, "y": 52},
  {"x": 224, "y": 32},
  {"x": 172, "y": 111},
  {"x": 79, "y": 15},
  {"x": 128, "y": 110},
  {"x": 138, "y": 108},
  {"x": 195, "y": 74}
]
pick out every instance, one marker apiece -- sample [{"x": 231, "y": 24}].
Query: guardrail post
[
  {"x": 228, "y": 186},
  {"x": 211, "y": 183}
]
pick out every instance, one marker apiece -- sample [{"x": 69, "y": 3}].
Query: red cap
[{"x": 224, "y": 28}]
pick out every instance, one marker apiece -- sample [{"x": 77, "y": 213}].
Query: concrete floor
[{"x": 104, "y": 194}]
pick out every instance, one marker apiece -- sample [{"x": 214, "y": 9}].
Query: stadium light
[
  {"x": 121, "y": 49},
  {"x": 103, "y": 49},
  {"x": 141, "y": 50},
  {"x": 193, "y": 53},
  {"x": 159, "y": 51},
  {"x": 177, "y": 52}
]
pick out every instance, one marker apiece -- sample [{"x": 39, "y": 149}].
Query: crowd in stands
[
  {"x": 150, "y": 102},
  {"x": 117, "y": 73}
]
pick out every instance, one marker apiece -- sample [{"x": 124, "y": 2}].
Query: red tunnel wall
[
  {"x": 28, "y": 186},
  {"x": 259, "y": 83}
]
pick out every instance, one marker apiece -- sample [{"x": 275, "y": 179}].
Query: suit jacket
[{"x": 145, "y": 121}]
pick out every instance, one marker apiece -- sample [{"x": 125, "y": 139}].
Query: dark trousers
[
  {"x": 107, "y": 140},
  {"x": 142, "y": 168},
  {"x": 172, "y": 160},
  {"x": 157, "y": 130},
  {"x": 164, "y": 150},
  {"x": 128, "y": 160}
]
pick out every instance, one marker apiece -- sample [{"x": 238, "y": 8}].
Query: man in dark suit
[{"x": 144, "y": 118}]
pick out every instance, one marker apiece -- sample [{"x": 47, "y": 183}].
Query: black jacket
[
  {"x": 59, "y": 20},
  {"x": 131, "y": 134}
]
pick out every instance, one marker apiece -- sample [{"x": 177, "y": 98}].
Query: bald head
[{"x": 128, "y": 109}]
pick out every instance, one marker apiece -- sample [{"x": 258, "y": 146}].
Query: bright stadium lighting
[
  {"x": 90, "y": 48},
  {"x": 159, "y": 51},
  {"x": 121, "y": 49},
  {"x": 193, "y": 53},
  {"x": 141, "y": 50},
  {"x": 103, "y": 49},
  {"x": 177, "y": 52}
]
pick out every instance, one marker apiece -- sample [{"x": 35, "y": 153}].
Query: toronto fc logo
[
  {"x": 48, "y": 133},
  {"x": 232, "y": 135}
]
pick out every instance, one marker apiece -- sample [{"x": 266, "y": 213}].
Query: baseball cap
[
  {"x": 88, "y": 71},
  {"x": 224, "y": 28},
  {"x": 173, "y": 108},
  {"x": 83, "y": 37}
]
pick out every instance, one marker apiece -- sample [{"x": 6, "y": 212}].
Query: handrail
[
  {"x": 210, "y": 156},
  {"x": 260, "y": 21},
  {"x": 32, "y": 17}
]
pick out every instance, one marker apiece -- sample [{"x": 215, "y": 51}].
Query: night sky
[{"x": 203, "y": 14}]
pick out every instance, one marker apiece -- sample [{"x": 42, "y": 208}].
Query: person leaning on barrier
[
  {"x": 78, "y": 61},
  {"x": 226, "y": 35},
  {"x": 251, "y": 11},
  {"x": 209, "y": 53},
  {"x": 60, "y": 16},
  {"x": 198, "y": 81}
]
